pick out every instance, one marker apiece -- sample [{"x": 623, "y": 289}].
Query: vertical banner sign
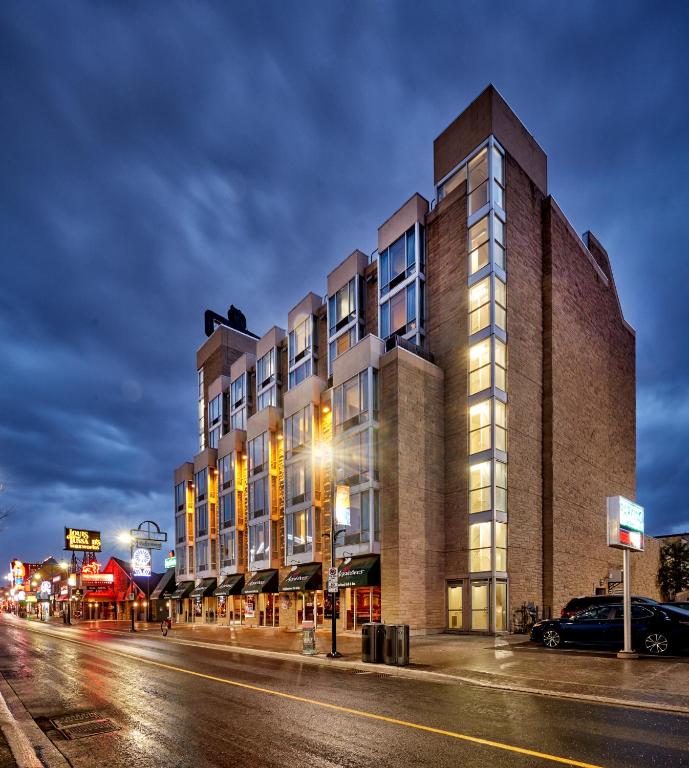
[
  {"x": 342, "y": 505},
  {"x": 141, "y": 562}
]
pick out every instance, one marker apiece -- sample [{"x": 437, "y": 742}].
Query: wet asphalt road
[{"x": 169, "y": 717}]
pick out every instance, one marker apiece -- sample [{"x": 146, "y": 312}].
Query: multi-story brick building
[{"x": 464, "y": 398}]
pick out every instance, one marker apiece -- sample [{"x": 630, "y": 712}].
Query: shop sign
[
  {"x": 141, "y": 562},
  {"x": 97, "y": 579},
  {"x": 31, "y": 599},
  {"x": 80, "y": 540},
  {"x": 64, "y": 590},
  {"x": 46, "y": 587},
  {"x": 342, "y": 505},
  {"x": 171, "y": 560},
  {"x": 625, "y": 524},
  {"x": 249, "y": 606}
]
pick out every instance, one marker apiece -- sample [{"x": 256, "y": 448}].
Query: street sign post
[
  {"x": 626, "y": 532},
  {"x": 333, "y": 587}
]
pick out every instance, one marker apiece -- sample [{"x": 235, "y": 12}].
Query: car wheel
[
  {"x": 656, "y": 643},
  {"x": 552, "y": 639}
]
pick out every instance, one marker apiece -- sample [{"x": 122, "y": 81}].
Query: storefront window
[{"x": 501, "y": 606}]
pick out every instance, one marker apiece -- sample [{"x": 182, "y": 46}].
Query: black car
[
  {"x": 656, "y": 629},
  {"x": 679, "y": 604},
  {"x": 577, "y": 604}
]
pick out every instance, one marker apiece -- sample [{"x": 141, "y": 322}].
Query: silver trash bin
[
  {"x": 390, "y": 644},
  {"x": 402, "y": 645},
  {"x": 396, "y": 645}
]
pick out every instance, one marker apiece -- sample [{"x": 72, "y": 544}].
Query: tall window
[
  {"x": 202, "y": 520},
  {"x": 298, "y": 482},
  {"x": 266, "y": 380},
  {"x": 398, "y": 315},
  {"x": 358, "y": 530},
  {"x": 479, "y": 251},
  {"x": 202, "y": 555},
  {"x": 499, "y": 242},
  {"x": 180, "y": 496},
  {"x": 259, "y": 453},
  {"x": 200, "y": 480},
  {"x": 259, "y": 542},
  {"x": 299, "y": 538},
  {"x": 259, "y": 499},
  {"x": 342, "y": 307},
  {"x": 397, "y": 261},
  {"x": 500, "y": 546},
  {"x": 227, "y": 511},
  {"x": 202, "y": 409},
  {"x": 478, "y": 181},
  {"x": 297, "y": 430},
  {"x": 500, "y": 486},
  {"x": 351, "y": 402},
  {"x": 227, "y": 544},
  {"x": 479, "y": 426},
  {"x": 479, "y": 305},
  {"x": 300, "y": 356},
  {"x": 498, "y": 177},
  {"x": 238, "y": 402},
  {"x": 500, "y": 304},
  {"x": 353, "y": 459},
  {"x": 226, "y": 470},
  {"x": 180, "y": 529},
  {"x": 480, "y": 547},
  {"x": 480, "y": 483}
]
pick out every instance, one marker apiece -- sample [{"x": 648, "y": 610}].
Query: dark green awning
[
  {"x": 363, "y": 571},
  {"x": 262, "y": 581},
  {"x": 304, "y": 578},
  {"x": 182, "y": 590},
  {"x": 232, "y": 585},
  {"x": 165, "y": 586},
  {"x": 205, "y": 588}
]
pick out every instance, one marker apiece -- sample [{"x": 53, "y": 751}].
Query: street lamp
[{"x": 127, "y": 538}]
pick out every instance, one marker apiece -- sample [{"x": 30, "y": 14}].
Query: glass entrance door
[
  {"x": 454, "y": 605},
  {"x": 480, "y": 602}
]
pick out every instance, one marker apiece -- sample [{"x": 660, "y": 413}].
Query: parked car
[
  {"x": 577, "y": 604},
  {"x": 656, "y": 628},
  {"x": 679, "y": 604}
]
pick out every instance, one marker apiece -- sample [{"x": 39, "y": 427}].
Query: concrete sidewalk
[{"x": 510, "y": 662}]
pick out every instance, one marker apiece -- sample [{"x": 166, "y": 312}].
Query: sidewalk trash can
[
  {"x": 396, "y": 645},
  {"x": 390, "y": 644},
  {"x": 308, "y": 633},
  {"x": 372, "y": 643},
  {"x": 402, "y": 645}
]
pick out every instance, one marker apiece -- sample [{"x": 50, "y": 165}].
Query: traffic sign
[
  {"x": 139, "y": 534},
  {"x": 333, "y": 587},
  {"x": 147, "y": 544}
]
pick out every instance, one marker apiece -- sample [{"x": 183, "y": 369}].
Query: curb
[
  {"x": 416, "y": 674},
  {"x": 19, "y": 744}
]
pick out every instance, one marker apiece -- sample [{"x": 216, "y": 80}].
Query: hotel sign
[
  {"x": 80, "y": 540},
  {"x": 625, "y": 524}
]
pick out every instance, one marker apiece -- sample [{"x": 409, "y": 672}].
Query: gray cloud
[{"x": 162, "y": 159}]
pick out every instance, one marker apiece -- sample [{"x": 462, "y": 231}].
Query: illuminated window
[
  {"x": 352, "y": 454},
  {"x": 478, "y": 181},
  {"x": 259, "y": 453},
  {"x": 351, "y": 402},
  {"x": 500, "y": 425},
  {"x": 500, "y": 365},
  {"x": 498, "y": 242},
  {"x": 479, "y": 366},
  {"x": 501, "y": 606},
  {"x": 226, "y": 470},
  {"x": 359, "y": 528},
  {"x": 480, "y": 487},
  {"x": 500, "y": 304},
  {"x": 202, "y": 520},
  {"x": 297, "y": 483},
  {"x": 498, "y": 162},
  {"x": 258, "y": 498},
  {"x": 259, "y": 542},
  {"x": 300, "y": 360},
  {"x": 202, "y": 556},
  {"x": 479, "y": 426},
  {"x": 342, "y": 307},
  {"x": 341, "y": 344},
  {"x": 478, "y": 245},
  {"x": 500, "y": 546},
  {"x": 299, "y": 538},
  {"x": 479, "y": 305},
  {"x": 227, "y": 545},
  {"x": 200, "y": 479},
  {"x": 398, "y": 315},
  {"x": 500, "y": 486},
  {"x": 480, "y": 545}
]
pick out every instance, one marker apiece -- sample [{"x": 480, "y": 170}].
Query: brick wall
[{"x": 413, "y": 530}]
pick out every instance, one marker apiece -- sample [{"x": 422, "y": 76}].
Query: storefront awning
[
  {"x": 165, "y": 586},
  {"x": 262, "y": 581},
  {"x": 104, "y": 597},
  {"x": 304, "y": 578},
  {"x": 182, "y": 589},
  {"x": 363, "y": 571},
  {"x": 231, "y": 585},
  {"x": 205, "y": 588}
]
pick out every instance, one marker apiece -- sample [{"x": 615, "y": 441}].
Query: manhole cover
[
  {"x": 89, "y": 729},
  {"x": 81, "y": 724}
]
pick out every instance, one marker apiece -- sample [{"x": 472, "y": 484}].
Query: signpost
[
  {"x": 626, "y": 532},
  {"x": 144, "y": 539},
  {"x": 333, "y": 587}
]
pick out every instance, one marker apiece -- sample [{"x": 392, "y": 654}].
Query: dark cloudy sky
[{"x": 160, "y": 158}]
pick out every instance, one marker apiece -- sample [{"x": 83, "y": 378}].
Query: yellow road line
[{"x": 338, "y": 708}]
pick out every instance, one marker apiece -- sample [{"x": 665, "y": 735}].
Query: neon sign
[{"x": 80, "y": 540}]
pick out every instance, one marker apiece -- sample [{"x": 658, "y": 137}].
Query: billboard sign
[
  {"x": 625, "y": 524},
  {"x": 80, "y": 540},
  {"x": 141, "y": 562}
]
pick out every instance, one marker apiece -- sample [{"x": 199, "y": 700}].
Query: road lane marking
[{"x": 334, "y": 707}]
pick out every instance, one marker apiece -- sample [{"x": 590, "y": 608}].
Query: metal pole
[
  {"x": 334, "y": 653},
  {"x": 133, "y": 583},
  {"x": 628, "y": 651}
]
